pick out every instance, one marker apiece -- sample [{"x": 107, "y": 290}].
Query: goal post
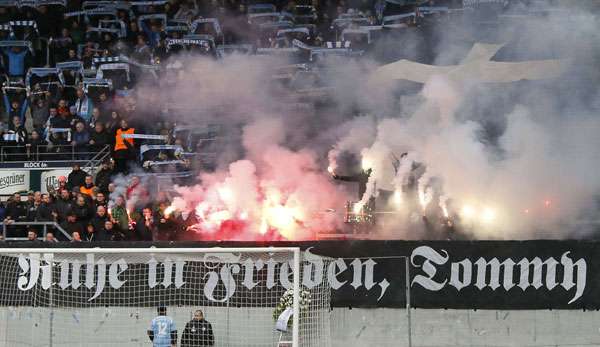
[{"x": 109, "y": 296}]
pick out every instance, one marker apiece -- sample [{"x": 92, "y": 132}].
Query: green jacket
[{"x": 119, "y": 214}]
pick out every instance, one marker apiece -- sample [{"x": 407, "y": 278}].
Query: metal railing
[
  {"x": 44, "y": 225},
  {"x": 94, "y": 162},
  {"x": 24, "y": 153}
]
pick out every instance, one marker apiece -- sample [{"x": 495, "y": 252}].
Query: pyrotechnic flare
[
  {"x": 397, "y": 198},
  {"x": 488, "y": 215},
  {"x": 169, "y": 210},
  {"x": 225, "y": 194},
  {"x": 360, "y": 134},
  {"x": 279, "y": 202},
  {"x": 403, "y": 171},
  {"x": 366, "y": 163},
  {"x": 444, "y": 206},
  {"x": 358, "y": 208},
  {"x": 332, "y": 158},
  {"x": 467, "y": 212},
  {"x": 264, "y": 227},
  {"x": 425, "y": 192},
  {"x": 425, "y": 197}
]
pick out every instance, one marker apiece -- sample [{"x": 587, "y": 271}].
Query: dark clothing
[
  {"x": 144, "y": 232},
  {"x": 32, "y": 212},
  {"x": 115, "y": 234},
  {"x": 44, "y": 213},
  {"x": 76, "y": 119},
  {"x": 362, "y": 178},
  {"x": 17, "y": 211},
  {"x": 197, "y": 333},
  {"x": 39, "y": 116},
  {"x": 101, "y": 139},
  {"x": 98, "y": 235},
  {"x": 98, "y": 222},
  {"x": 100, "y": 203},
  {"x": 58, "y": 149},
  {"x": 103, "y": 180},
  {"x": 84, "y": 214},
  {"x": 81, "y": 139},
  {"x": 122, "y": 157},
  {"x": 76, "y": 179},
  {"x": 60, "y": 122},
  {"x": 70, "y": 228},
  {"x": 2, "y": 211},
  {"x": 36, "y": 146},
  {"x": 63, "y": 207},
  {"x": 105, "y": 108},
  {"x": 165, "y": 229}
]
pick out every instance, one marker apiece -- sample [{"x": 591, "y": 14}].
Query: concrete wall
[
  {"x": 122, "y": 326},
  {"x": 454, "y": 328},
  {"x": 349, "y": 327}
]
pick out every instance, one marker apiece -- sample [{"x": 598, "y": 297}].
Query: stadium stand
[{"x": 70, "y": 72}]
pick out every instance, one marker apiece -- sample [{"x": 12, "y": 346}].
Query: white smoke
[
  {"x": 485, "y": 153},
  {"x": 533, "y": 176}
]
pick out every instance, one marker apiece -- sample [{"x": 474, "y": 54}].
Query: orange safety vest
[
  {"x": 120, "y": 142},
  {"x": 86, "y": 191}
]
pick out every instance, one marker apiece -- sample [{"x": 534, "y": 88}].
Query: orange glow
[{"x": 169, "y": 210}]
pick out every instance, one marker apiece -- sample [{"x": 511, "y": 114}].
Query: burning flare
[{"x": 241, "y": 205}]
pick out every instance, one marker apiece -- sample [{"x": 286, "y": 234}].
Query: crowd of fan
[
  {"x": 93, "y": 120},
  {"x": 96, "y": 122},
  {"x": 95, "y": 209}
]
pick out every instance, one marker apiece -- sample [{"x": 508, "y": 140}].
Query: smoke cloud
[
  {"x": 493, "y": 161},
  {"x": 510, "y": 160}
]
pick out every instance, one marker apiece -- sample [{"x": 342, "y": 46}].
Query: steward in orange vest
[
  {"x": 123, "y": 148},
  {"x": 120, "y": 142}
]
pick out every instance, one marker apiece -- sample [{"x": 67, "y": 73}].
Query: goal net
[{"x": 108, "y": 297}]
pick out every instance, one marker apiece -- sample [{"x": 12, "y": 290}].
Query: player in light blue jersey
[{"x": 163, "y": 332}]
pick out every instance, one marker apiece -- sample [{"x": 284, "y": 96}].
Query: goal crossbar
[{"x": 154, "y": 250}]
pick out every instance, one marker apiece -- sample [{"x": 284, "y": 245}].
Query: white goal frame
[{"x": 152, "y": 250}]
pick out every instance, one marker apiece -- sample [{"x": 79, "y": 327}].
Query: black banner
[{"x": 455, "y": 274}]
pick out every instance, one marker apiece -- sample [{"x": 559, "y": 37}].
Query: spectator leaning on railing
[
  {"x": 71, "y": 224},
  {"x": 35, "y": 146},
  {"x": 45, "y": 209},
  {"x": 16, "y": 210},
  {"x": 99, "y": 138},
  {"x": 80, "y": 139}
]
